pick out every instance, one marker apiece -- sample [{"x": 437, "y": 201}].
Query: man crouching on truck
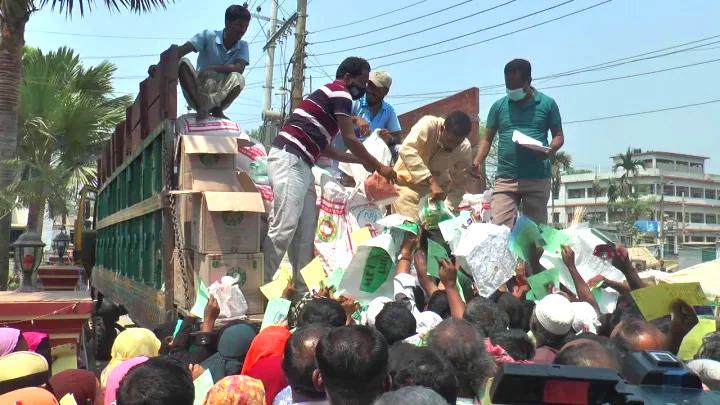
[
  {"x": 306, "y": 136},
  {"x": 222, "y": 57}
]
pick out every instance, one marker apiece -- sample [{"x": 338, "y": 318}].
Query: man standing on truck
[
  {"x": 306, "y": 136},
  {"x": 523, "y": 175},
  {"x": 222, "y": 58},
  {"x": 434, "y": 159}
]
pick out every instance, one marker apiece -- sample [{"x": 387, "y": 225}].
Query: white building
[{"x": 678, "y": 183}]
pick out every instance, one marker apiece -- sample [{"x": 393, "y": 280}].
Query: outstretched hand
[{"x": 448, "y": 273}]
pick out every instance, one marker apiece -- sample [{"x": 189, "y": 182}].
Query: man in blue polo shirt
[
  {"x": 222, "y": 58},
  {"x": 372, "y": 112},
  {"x": 523, "y": 175}
]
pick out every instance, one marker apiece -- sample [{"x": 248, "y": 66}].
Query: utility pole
[
  {"x": 298, "y": 71},
  {"x": 683, "y": 218},
  {"x": 661, "y": 231},
  {"x": 270, "y": 66}
]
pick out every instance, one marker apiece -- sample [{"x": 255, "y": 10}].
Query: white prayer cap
[
  {"x": 554, "y": 314},
  {"x": 427, "y": 321},
  {"x": 374, "y": 308},
  {"x": 585, "y": 318}
]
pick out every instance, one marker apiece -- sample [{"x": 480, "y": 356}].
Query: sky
[{"x": 614, "y": 30}]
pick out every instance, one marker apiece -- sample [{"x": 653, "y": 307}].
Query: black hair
[
  {"x": 395, "y": 322},
  {"x": 299, "y": 359},
  {"x": 439, "y": 304},
  {"x": 158, "y": 381},
  {"x": 412, "y": 395},
  {"x": 515, "y": 342},
  {"x": 353, "y": 363},
  {"x": 518, "y": 311},
  {"x": 710, "y": 347},
  {"x": 419, "y": 366},
  {"x": 519, "y": 65},
  {"x": 544, "y": 337},
  {"x": 322, "y": 311},
  {"x": 237, "y": 13},
  {"x": 486, "y": 316},
  {"x": 353, "y": 66},
  {"x": 458, "y": 124},
  {"x": 464, "y": 347},
  {"x": 587, "y": 353}
]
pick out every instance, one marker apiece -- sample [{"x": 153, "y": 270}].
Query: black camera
[{"x": 651, "y": 377}]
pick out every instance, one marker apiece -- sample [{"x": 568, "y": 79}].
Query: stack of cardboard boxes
[{"x": 219, "y": 215}]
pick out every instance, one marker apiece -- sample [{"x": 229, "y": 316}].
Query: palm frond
[{"x": 139, "y": 6}]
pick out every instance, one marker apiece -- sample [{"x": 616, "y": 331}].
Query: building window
[
  {"x": 711, "y": 219},
  {"x": 697, "y": 218},
  {"x": 654, "y": 188},
  {"x": 697, "y": 239},
  {"x": 576, "y": 193},
  {"x": 648, "y": 163},
  {"x": 710, "y": 239},
  {"x": 681, "y": 191},
  {"x": 556, "y": 217},
  {"x": 556, "y": 194},
  {"x": 696, "y": 167},
  {"x": 710, "y": 194},
  {"x": 669, "y": 190},
  {"x": 697, "y": 193}
]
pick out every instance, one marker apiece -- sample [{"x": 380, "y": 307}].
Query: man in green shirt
[{"x": 523, "y": 175}]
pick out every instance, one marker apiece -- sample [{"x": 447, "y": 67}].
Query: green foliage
[
  {"x": 139, "y": 6},
  {"x": 67, "y": 113}
]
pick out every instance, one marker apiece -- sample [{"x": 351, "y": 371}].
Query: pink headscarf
[
  {"x": 117, "y": 374},
  {"x": 8, "y": 340},
  {"x": 34, "y": 339},
  {"x": 500, "y": 355}
]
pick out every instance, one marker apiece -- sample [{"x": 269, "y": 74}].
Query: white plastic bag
[
  {"x": 230, "y": 299},
  {"x": 335, "y": 225},
  {"x": 376, "y": 147}
]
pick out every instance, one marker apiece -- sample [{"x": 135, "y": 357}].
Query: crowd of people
[{"x": 425, "y": 345}]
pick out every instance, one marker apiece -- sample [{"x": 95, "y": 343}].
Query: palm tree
[
  {"x": 62, "y": 129},
  {"x": 630, "y": 169},
  {"x": 559, "y": 163},
  {"x": 14, "y": 15}
]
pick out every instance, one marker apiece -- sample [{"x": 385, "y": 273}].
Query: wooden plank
[
  {"x": 169, "y": 61},
  {"x": 144, "y": 207},
  {"x": 159, "y": 130},
  {"x": 144, "y": 304}
]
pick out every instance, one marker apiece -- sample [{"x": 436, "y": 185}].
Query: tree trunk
[
  {"x": 12, "y": 39},
  {"x": 36, "y": 216}
]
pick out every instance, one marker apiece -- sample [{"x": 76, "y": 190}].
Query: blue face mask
[{"x": 516, "y": 94}]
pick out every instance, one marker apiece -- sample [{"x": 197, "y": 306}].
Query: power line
[
  {"x": 579, "y": 70},
  {"x": 489, "y": 39},
  {"x": 608, "y": 117},
  {"x": 433, "y": 13},
  {"x": 426, "y": 30},
  {"x": 368, "y": 18},
  {"x": 621, "y": 77}
]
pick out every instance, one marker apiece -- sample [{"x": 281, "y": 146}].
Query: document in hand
[{"x": 528, "y": 142}]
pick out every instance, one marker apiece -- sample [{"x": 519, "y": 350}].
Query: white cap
[
  {"x": 381, "y": 79},
  {"x": 585, "y": 318},
  {"x": 555, "y": 314}
]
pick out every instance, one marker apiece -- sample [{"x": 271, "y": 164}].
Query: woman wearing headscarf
[
  {"x": 22, "y": 370},
  {"x": 8, "y": 340},
  {"x": 81, "y": 384},
  {"x": 236, "y": 390},
  {"x": 264, "y": 360},
  {"x": 116, "y": 376},
  {"x": 131, "y": 343},
  {"x": 232, "y": 347},
  {"x": 28, "y": 396}
]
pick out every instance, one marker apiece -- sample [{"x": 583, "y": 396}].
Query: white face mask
[{"x": 516, "y": 94}]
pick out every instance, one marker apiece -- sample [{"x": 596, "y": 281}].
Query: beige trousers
[
  {"x": 510, "y": 194},
  {"x": 216, "y": 89}
]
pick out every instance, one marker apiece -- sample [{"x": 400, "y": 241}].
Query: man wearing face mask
[
  {"x": 306, "y": 136},
  {"x": 523, "y": 175},
  {"x": 222, "y": 59},
  {"x": 433, "y": 159}
]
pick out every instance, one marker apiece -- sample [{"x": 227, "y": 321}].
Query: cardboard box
[
  {"x": 248, "y": 268},
  {"x": 207, "y": 163}
]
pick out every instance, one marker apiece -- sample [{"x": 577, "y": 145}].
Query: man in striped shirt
[{"x": 305, "y": 137}]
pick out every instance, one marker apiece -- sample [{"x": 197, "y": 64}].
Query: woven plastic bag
[
  {"x": 433, "y": 212},
  {"x": 335, "y": 225}
]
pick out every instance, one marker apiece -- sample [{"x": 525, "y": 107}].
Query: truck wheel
[{"x": 104, "y": 335}]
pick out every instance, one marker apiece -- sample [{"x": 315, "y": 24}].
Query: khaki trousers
[{"x": 509, "y": 195}]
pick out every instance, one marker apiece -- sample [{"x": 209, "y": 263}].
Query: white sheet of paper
[
  {"x": 390, "y": 242},
  {"x": 483, "y": 250},
  {"x": 528, "y": 142}
]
